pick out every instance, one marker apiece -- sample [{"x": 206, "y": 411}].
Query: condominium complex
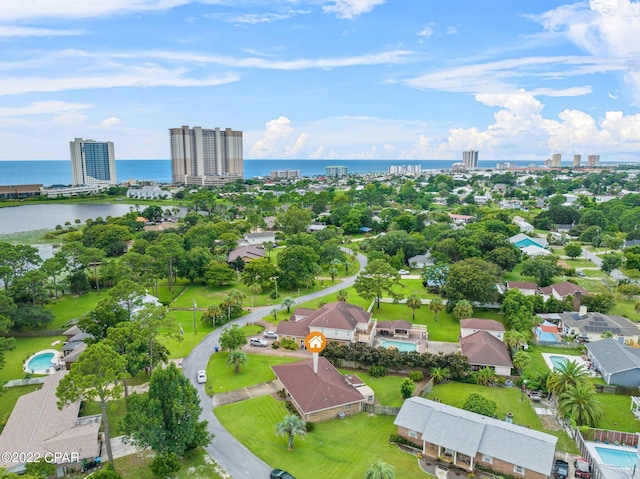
[
  {"x": 576, "y": 160},
  {"x": 206, "y": 157},
  {"x": 336, "y": 171},
  {"x": 405, "y": 170},
  {"x": 287, "y": 174},
  {"x": 556, "y": 160},
  {"x": 92, "y": 162},
  {"x": 470, "y": 159},
  {"x": 593, "y": 160}
]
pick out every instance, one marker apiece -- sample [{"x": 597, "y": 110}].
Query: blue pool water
[
  {"x": 544, "y": 336},
  {"x": 617, "y": 457},
  {"x": 399, "y": 345},
  {"x": 558, "y": 361},
  {"x": 41, "y": 362}
]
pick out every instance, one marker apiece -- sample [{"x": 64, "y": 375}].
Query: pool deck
[
  {"x": 55, "y": 360},
  {"x": 608, "y": 471},
  {"x": 578, "y": 359}
]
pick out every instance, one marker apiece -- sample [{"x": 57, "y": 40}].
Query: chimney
[
  {"x": 583, "y": 311},
  {"x": 577, "y": 300}
]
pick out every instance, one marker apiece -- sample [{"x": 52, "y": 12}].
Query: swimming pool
[
  {"x": 43, "y": 362},
  {"x": 401, "y": 346},
  {"x": 547, "y": 337},
  {"x": 617, "y": 457},
  {"x": 555, "y": 360},
  {"x": 558, "y": 361}
]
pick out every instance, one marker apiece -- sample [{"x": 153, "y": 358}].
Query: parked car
[
  {"x": 403, "y": 271},
  {"x": 258, "y": 342},
  {"x": 560, "y": 469},
  {"x": 280, "y": 474},
  {"x": 201, "y": 376},
  {"x": 580, "y": 273},
  {"x": 582, "y": 338},
  {"x": 582, "y": 468},
  {"x": 270, "y": 334}
]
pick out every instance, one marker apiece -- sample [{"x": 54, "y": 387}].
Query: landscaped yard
[
  {"x": 197, "y": 466},
  {"x": 334, "y": 449},
  {"x": 70, "y": 308},
  {"x": 386, "y": 389},
  {"x": 257, "y": 370}
]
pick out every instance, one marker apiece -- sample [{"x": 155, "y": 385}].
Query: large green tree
[
  {"x": 542, "y": 268},
  {"x": 97, "y": 375},
  {"x": 579, "y": 402},
  {"x": 473, "y": 279},
  {"x": 232, "y": 338},
  {"x": 298, "y": 266},
  {"x": 166, "y": 418},
  {"x": 377, "y": 278}
]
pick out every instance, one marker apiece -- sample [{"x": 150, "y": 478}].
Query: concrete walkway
[{"x": 242, "y": 394}]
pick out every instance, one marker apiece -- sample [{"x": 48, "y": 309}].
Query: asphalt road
[
  {"x": 237, "y": 460},
  {"x": 595, "y": 259}
]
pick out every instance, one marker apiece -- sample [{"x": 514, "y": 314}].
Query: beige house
[{"x": 473, "y": 325}]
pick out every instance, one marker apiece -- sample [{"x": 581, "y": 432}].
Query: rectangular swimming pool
[
  {"x": 401, "y": 346},
  {"x": 617, "y": 457}
]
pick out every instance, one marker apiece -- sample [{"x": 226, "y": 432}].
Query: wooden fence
[{"x": 382, "y": 410}]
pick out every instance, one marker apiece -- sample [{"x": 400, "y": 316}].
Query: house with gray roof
[
  {"x": 592, "y": 325},
  {"x": 469, "y": 439},
  {"x": 37, "y": 428},
  {"x": 618, "y": 363}
]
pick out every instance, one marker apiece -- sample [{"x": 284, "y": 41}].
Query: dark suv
[
  {"x": 280, "y": 474},
  {"x": 560, "y": 469}
]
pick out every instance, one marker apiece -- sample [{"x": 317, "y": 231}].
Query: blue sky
[{"x": 324, "y": 79}]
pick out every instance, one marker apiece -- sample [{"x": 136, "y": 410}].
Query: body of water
[{"x": 58, "y": 172}]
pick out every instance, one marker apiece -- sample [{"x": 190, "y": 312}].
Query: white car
[
  {"x": 258, "y": 342},
  {"x": 270, "y": 334},
  {"x": 403, "y": 271},
  {"x": 202, "y": 376}
]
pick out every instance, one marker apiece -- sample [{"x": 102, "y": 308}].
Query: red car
[{"x": 582, "y": 468}]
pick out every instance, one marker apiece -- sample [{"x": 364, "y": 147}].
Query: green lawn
[
  {"x": 223, "y": 378},
  {"x": 508, "y": 400},
  {"x": 626, "y": 308},
  {"x": 115, "y": 414},
  {"x": 617, "y": 413},
  {"x": 387, "y": 388},
  {"x": 538, "y": 364},
  {"x": 195, "y": 466},
  {"x": 334, "y": 449},
  {"x": 70, "y": 308},
  {"x": 25, "y": 347}
]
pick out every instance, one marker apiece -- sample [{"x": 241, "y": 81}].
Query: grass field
[
  {"x": 196, "y": 466},
  {"x": 334, "y": 449},
  {"x": 222, "y": 378},
  {"x": 386, "y": 389},
  {"x": 70, "y": 308}
]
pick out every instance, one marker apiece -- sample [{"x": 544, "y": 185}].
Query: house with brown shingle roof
[
  {"x": 473, "y": 325},
  {"x": 339, "y": 321},
  {"x": 482, "y": 349},
  {"x": 561, "y": 290},
  {"x": 38, "y": 428},
  {"x": 322, "y": 395},
  {"x": 247, "y": 253}
]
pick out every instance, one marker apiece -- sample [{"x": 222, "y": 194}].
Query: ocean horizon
[{"x": 58, "y": 172}]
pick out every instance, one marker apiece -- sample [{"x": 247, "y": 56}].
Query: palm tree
[
  {"x": 268, "y": 247},
  {"x": 579, "y": 403},
  {"x": 439, "y": 374},
  {"x": 414, "y": 302},
  {"x": 463, "y": 309},
  {"x": 568, "y": 374},
  {"x": 637, "y": 307},
  {"x": 342, "y": 295},
  {"x": 287, "y": 303},
  {"x": 254, "y": 288},
  {"x": 333, "y": 271},
  {"x": 436, "y": 305},
  {"x": 236, "y": 359},
  {"x": 212, "y": 313},
  {"x": 485, "y": 375},
  {"x": 514, "y": 339},
  {"x": 521, "y": 360},
  {"x": 291, "y": 426},
  {"x": 380, "y": 470}
]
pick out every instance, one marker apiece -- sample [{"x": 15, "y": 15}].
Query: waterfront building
[
  {"x": 92, "y": 162},
  {"x": 284, "y": 174},
  {"x": 556, "y": 160},
  {"x": 470, "y": 159},
  {"x": 593, "y": 160},
  {"x": 405, "y": 170},
  {"x": 336, "y": 171},
  {"x": 576, "y": 160},
  {"x": 206, "y": 157}
]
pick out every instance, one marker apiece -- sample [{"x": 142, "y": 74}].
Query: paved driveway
[{"x": 237, "y": 460}]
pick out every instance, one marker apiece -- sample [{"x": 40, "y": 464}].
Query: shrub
[
  {"x": 310, "y": 426},
  {"x": 378, "y": 371},
  {"x": 275, "y": 345},
  {"x": 407, "y": 387},
  {"x": 165, "y": 464},
  {"x": 396, "y": 439},
  {"x": 416, "y": 376},
  {"x": 289, "y": 344}
]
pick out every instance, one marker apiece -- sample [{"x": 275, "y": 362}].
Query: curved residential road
[
  {"x": 595, "y": 259},
  {"x": 236, "y": 459}
]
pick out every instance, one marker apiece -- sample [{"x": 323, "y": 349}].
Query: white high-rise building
[
  {"x": 470, "y": 159},
  {"x": 556, "y": 160},
  {"x": 201, "y": 156},
  {"x": 593, "y": 160},
  {"x": 92, "y": 162},
  {"x": 576, "y": 160}
]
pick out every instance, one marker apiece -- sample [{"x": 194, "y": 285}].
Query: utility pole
[{"x": 194, "y": 317}]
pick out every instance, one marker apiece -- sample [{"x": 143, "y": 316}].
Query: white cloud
[
  {"x": 111, "y": 121},
  {"x": 13, "y": 31},
  {"x": 72, "y": 117},
  {"x": 295, "y": 149},
  {"x": 452, "y": 30},
  {"x": 277, "y": 132},
  {"x": 80, "y": 8},
  {"x": 42, "y": 108},
  {"x": 426, "y": 32},
  {"x": 349, "y": 9}
]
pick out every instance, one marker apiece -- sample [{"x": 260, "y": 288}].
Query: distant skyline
[{"x": 324, "y": 79}]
